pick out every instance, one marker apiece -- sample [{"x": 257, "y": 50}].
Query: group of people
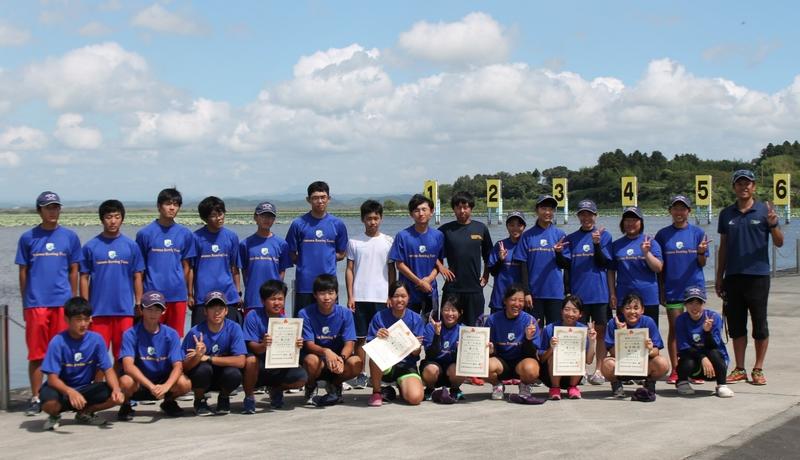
[{"x": 132, "y": 297}]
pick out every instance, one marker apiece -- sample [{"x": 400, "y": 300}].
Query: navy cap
[
  {"x": 545, "y": 198},
  {"x": 680, "y": 199},
  {"x": 587, "y": 205},
  {"x": 694, "y": 292},
  {"x": 46, "y": 198},
  {"x": 266, "y": 208},
  {"x": 633, "y": 210},
  {"x": 215, "y": 297},
  {"x": 743, "y": 173},
  {"x": 517, "y": 214},
  {"x": 152, "y": 298}
]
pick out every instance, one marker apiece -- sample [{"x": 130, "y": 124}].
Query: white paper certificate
[
  {"x": 283, "y": 352},
  {"x": 387, "y": 352},
  {"x": 472, "y": 357},
  {"x": 569, "y": 356},
  {"x": 630, "y": 350}
]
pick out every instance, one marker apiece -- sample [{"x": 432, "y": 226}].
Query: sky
[{"x": 119, "y": 99}]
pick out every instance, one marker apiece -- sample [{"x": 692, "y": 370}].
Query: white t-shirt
[{"x": 371, "y": 272}]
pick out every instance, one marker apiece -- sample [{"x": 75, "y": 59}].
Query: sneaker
[
  {"x": 361, "y": 382},
  {"x": 223, "y": 404},
  {"x": 442, "y": 396},
  {"x": 498, "y": 392},
  {"x": 375, "y": 400},
  {"x": 276, "y": 398},
  {"x": 695, "y": 381},
  {"x": 555, "y": 394},
  {"x": 650, "y": 385},
  {"x": 249, "y": 405},
  {"x": 428, "y": 393},
  {"x": 329, "y": 399},
  {"x": 724, "y": 392},
  {"x": 458, "y": 394},
  {"x": 125, "y": 413},
  {"x": 597, "y": 378},
  {"x": 201, "y": 408},
  {"x": 574, "y": 393},
  {"x": 260, "y": 391},
  {"x": 388, "y": 393},
  {"x": 346, "y": 386},
  {"x": 537, "y": 383},
  {"x": 525, "y": 389},
  {"x": 758, "y": 377},
  {"x": 185, "y": 397},
  {"x": 310, "y": 393},
  {"x": 673, "y": 377},
  {"x": 737, "y": 375},
  {"x": 643, "y": 394},
  {"x": 477, "y": 381},
  {"x": 337, "y": 391},
  {"x": 89, "y": 418},
  {"x": 34, "y": 407},
  {"x": 52, "y": 422},
  {"x": 523, "y": 399},
  {"x": 617, "y": 390},
  {"x": 171, "y": 408},
  {"x": 684, "y": 388}
]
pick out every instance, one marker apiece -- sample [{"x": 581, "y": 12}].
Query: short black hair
[
  {"x": 77, "y": 306},
  {"x": 451, "y": 299},
  {"x": 417, "y": 200},
  {"x": 462, "y": 197},
  {"x": 513, "y": 289},
  {"x": 395, "y": 285},
  {"x": 110, "y": 206},
  {"x": 272, "y": 287},
  {"x": 369, "y": 207},
  {"x": 209, "y": 205},
  {"x": 632, "y": 297},
  {"x": 170, "y": 194},
  {"x": 574, "y": 300},
  {"x": 326, "y": 283},
  {"x": 318, "y": 186}
]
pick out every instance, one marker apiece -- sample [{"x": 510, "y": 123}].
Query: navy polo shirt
[{"x": 747, "y": 247}]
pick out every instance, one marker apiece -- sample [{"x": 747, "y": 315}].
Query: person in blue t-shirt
[
  {"x": 317, "y": 240},
  {"x": 502, "y": 266},
  {"x": 329, "y": 336},
  {"x": 636, "y": 262},
  {"x": 111, "y": 276},
  {"x": 258, "y": 339},
  {"x": 685, "y": 250},
  {"x": 701, "y": 348},
  {"x": 440, "y": 341},
  {"x": 48, "y": 256},
  {"x": 415, "y": 251},
  {"x": 73, "y": 360},
  {"x": 152, "y": 360},
  {"x": 216, "y": 263},
  {"x": 264, "y": 256},
  {"x": 405, "y": 372},
  {"x": 214, "y": 356},
  {"x": 634, "y": 317}
]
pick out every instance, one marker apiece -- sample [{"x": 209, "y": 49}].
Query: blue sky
[{"x": 260, "y": 98}]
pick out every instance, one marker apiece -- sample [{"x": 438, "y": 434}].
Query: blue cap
[
  {"x": 152, "y": 298},
  {"x": 215, "y": 297},
  {"x": 545, "y": 198},
  {"x": 694, "y": 292},
  {"x": 587, "y": 205},
  {"x": 743, "y": 173},
  {"x": 266, "y": 208},
  {"x": 517, "y": 214},
  {"x": 46, "y": 198},
  {"x": 633, "y": 210},
  {"x": 680, "y": 199}
]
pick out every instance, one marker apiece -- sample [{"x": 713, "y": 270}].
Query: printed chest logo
[
  {"x": 214, "y": 248},
  {"x": 679, "y": 244},
  {"x": 112, "y": 254},
  {"x": 264, "y": 251},
  {"x": 696, "y": 338},
  {"x": 446, "y": 344},
  {"x": 151, "y": 351},
  {"x": 511, "y": 336},
  {"x": 50, "y": 246},
  {"x": 731, "y": 222},
  {"x": 586, "y": 248},
  {"x": 755, "y": 221},
  {"x": 422, "y": 249},
  {"x": 319, "y": 233},
  {"x": 167, "y": 243},
  {"x": 629, "y": 251},
  {"x": 543, "y": 242},
  {"x": 78, "y": 357},
  {"x": 215, "y": 348},
  {"x": 326, "y": 330}
]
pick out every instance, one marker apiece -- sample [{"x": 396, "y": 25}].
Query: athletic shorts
[
  {"x": 175, "y": 316},
  {"x": 143, "y": 394},
  {"x": 424, "y": 306},
  {"x": 547, "y": 310},
  {"x": 41, "y": 325},
  {"x": 597, "y": 312},
  {"x": 400, "y": 372},
  {"x": 363, "y": 316},
  {"x": 674, "y": 305},
  {"x": 276, "y": 377},
  {"x": 544, "y": 376},
  {"x": 112, "y": 328},
  {"x": 509, "y": 368},
  {"x": 326, "y": 374},
  {"x": 747, "y": 293},
  {"x": 443, "y": 380},
  {"x": 302, "y": 300},
  {"x": 94, "y": 393}
]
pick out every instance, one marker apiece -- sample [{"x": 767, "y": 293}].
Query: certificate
[
  {"x": 387, "y": 352},
  {"x": 630, "y": 350},
  {"x": 283, "y": 352},
  {"x": 472, "y": 357},
  {"x": 569, "y": 356}
]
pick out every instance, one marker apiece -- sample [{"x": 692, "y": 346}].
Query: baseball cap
[
  {"x": 46, "y": 198},
  {"x": 266, "y": 208},
  {"x": 151, "y": 298},
  {"x": 743, "y": 173},
  {"x": 587, "y": 205},
  {"x": 214, "y": 297},
  {"x": 546, "y": 198},
  {"x": 517, "y": 214},
  {"x": 694, "y": 292},
  {"x": 680, "y": 199},
  {"x": 633, "y": 210}
]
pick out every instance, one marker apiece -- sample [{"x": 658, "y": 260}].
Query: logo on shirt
[
  {"x": 586, "y": 248},
  {"x": 167, "y": 243},
  {"x": 629, "y": 251},
  {"x": 755, "y": 221},
  {"x": 214, "y": 248},
  {"x": 511, "y": 336},
  {"x": 50, "y": 246},
  {"x": 679, "y": 244},
  {"x": 446, "y": 344},
  {"x": 422, "y": 249},
  {"x": 215, "y": 348},
  {"x": 264, "y": 251},
  {"x": 151, "y": 351},
  {"x": 696, "y": 337},
  {"x": 112, "y": 254},
  {"x": 319, "y": 233},
  {"x": 78, "y": 357},
  {"x": 731, "y": 222},
  {"x": 543, "y": 242},
  {"x": 326, "y": 330}
]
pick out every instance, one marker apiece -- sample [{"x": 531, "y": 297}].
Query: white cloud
[
  {"x": 70, "y": 132},
  {"x": 13, "y": 36},
  {"x": 476, "y": 39},
  {"x": 22, "y": 138},
  {"x": 94, "y": 29},
  {"x": 198, "y": 124},
  {"x": 9, "y": 159},
  {"x": 158, "y": 19}
]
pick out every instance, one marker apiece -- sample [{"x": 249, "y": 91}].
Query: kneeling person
[{"x": 441, "y": 344}]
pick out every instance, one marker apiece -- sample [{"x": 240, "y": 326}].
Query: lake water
[{"x": 9, "y": 284}]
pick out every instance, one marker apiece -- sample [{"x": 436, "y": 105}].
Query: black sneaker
[
  {"x": 617, "y": 390},
  {"x": 223, "y": 404},
  {"x": 125, "y": 413},
  {"x": 201, "y": 408},
  {"x": 310, "y": 394},
  {"x": 650, "y": 385},
  {"x": 171, "y": 408},
  {"x": 388, "y": 393},
  {"x": 276, "y": 398},
  {"x": 34, "y": 407},
  {"x": 428, "y": 393}
]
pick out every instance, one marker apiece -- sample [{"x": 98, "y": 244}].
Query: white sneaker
[
  {"x": 724, "y": 392},
  {"x": 684, "y": 388},
  {"x": 52, "y": 422},
  {"x": 498, "y": 392},
  {"x": 597, "y": 378},
  {"x": 346, "y": 386}
]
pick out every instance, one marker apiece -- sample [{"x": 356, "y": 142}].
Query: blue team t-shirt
[
  {"x": 328, "y": 331},
  {"x": 587, "y": 280},
  {"x": 256, "y": 324},
  {"x": 644, "y": 322},
  {"x": 316, "y": 242},
  {"x": 508, "y": 335},
  {"x": 111, "y": 264},
  {"x": 679, "y": 248},
  {"x": 747, "y": 245},
  {"x": 633, "y": 274},
  {"x": 419, "y": 251},
  {"x": 228, "y": 341},
  {"x": 509, "y": 272},
  {"x": 689, "y": 334},
  {"x": 48, "y": 255},
  {"x": 448, "y": 343},
  {"x": 535, "y": 248},
  {"x": 76, "y": 361},
  {"x": 262, "y": 259},
  {"x": 164, "y": 249},
  {"x": 384, "y": 319},
  {"x": 215, "y": 254},
  {"x": 153, "y": 354}
]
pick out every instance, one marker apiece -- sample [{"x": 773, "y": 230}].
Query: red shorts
[
  {"x": 111, "y": 328},
  {"x": 175, "y": 316},
  {"x": 41, "y": 325}
]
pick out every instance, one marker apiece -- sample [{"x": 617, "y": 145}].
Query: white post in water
[{"x": 5, "y": 389}]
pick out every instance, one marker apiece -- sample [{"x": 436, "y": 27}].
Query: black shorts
[
  {"x": 509, "y": 368},
  {"x": 547, "y": 310},
  {"x": 443, "y": 380},
  {"x": 544, "y": 376},
  {"x": 598, "y": 312},
  {"x": 471, "y": 303},
  {"x": 399, "y": 371},
  {"x": 301, "y": 301},
  {"x": 363, "y": 316},
  {"x": 423, "y": 306},
  {"x": 747, "y": 293},
  {"x": 143, "y": 394},
  {"x": 94, "y": 393}
]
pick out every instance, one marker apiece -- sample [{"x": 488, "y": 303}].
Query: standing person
[
  {"x": 502, "y": 266},
  {"x": 317, "y": 240},
  {"x": 743, "y": 271},
  {"x": 415, "y": 252},
  {"x": 368, "y": 275},
  {"x": 167, "y": 248},
  {"x": 216, "y": 265},
  {"x": 685, "y": 250},
  {"x": 636, "y": 263},
  {"x": 544, "y": 253},
  {"x": 264, "y": 256},
  {"x": 48, "y": 256},
  {"x": 467, "y": 243},
  {"x": 111, "y": 276},
  {"x": 590, "y": 256}
]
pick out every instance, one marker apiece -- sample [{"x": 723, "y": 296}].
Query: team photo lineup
[{"x": 105, "y": 321}]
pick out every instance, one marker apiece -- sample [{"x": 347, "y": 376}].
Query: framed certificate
[
  {"x": 569, "y": 356},
  {"x": 472, "y": 356},
  {"x": 283, "y": 352},
  {"x": 387, "y": 352},
  {"x": 630, "y": 351}
]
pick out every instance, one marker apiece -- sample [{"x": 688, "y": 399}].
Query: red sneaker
[
  {"x": 673, "y": 377},
  {"x": 477, "y": 381}
]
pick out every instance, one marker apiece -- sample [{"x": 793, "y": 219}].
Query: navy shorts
[
  {"x": 598, "y": 312},
  {"x": 94, "y": 393},
  {"x": 363, "y": 316},
  {"x": 443, "y": 380}
]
